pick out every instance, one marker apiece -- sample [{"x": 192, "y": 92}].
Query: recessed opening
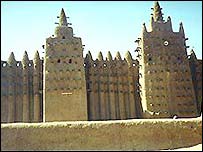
[
  {"x": 63, "y": 37},
  {"x": 70, "y": 61},
  {"x": 165, "y": 43},
  {"x": 58, "y": 60},
  {"x": 4, "y": 64},
  {"x": 18, "y": 64},
  {"x": 150, "y": 59}
]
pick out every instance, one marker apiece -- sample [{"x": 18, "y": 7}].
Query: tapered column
[
  {"x": 11, "y": 88},
  {"x": 19, "y": 93},
  {"x": 25, "y": 63},
  {"x": 36, "y": 85}
]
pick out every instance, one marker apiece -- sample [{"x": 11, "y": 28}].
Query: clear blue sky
[{"x": 102, "y": 25}]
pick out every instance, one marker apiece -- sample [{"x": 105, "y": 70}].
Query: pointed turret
[
  {"x": 25, "y": 60},
  {"x": 100, "y": 56},
  {"x": 36, "y": 58},
  {"x": 157, "y": 14},
  {"x": 109, "y": 56},
  {"x": 118, "y": 56},
  {"x": 181, "y": 29},
  {"x": 128, "y": 58},
  {"x": 11, "y": 60},
  {"x": 62, "y": 19}
]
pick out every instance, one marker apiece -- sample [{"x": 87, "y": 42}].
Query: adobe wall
[
  {"x": 112, "y": 87},
  {"x": 135, "y": 134},
  {"x": 21, "y": 90}
]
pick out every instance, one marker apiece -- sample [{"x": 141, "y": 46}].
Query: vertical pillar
[
  {"x": 36, "y": 87},
  {"x": 132, "y": 92},
  {"x": 97, "y": 91},
  {"x": 107, "y": 93},
  {"x": 11, "y": 88},
  {"x": 120, "y": 92},
  {"x": 102, "y": 94},
  {"x": 125, "y": 89},
  {"x": 4, "y": 91},
  {"x": 19, "y": 93},
  {"x": 25, "y": 63},
  {"x": 112, "y": 96}
]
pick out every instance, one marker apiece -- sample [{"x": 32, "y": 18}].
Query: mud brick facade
[{"x": 160, "y": 82}]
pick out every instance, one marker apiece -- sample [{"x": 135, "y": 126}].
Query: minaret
[
  {"x": 64, "y": 76},
  {"x": 157, "y": 22},
  {"x": 62, "y": 19},
  {"x": 165, "y": 78}
]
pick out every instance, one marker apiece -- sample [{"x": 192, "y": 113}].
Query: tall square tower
[
  {"x": 165, "y": 78},
  {"x": 64, "y": 76}
]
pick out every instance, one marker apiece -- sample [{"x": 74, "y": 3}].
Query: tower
[
  {"x": 165, "y": 78},
  {"x": 64, "y": 76}
]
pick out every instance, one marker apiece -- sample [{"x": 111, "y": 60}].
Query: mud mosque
[{"x": 163, "y": 81}]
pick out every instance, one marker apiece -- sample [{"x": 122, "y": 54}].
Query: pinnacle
[
  {"x": 25, "y": 60},
  {"x": 88, "y": 56},
  {"x": 181, "y": 30},
  {"x": 118, "y": 56},
  {"x": 128, "y": 56},
  {"x": 157, "y": 14},
  {"x": 192, "y": 54},
  {"x": 36, "y": 57},
  {"x": 11, "y": 59},
  {"x": 100, "y": 56},
  {"x": 144, "y": 29},
  {"x": 62, "y": 18},
  {"x": 109, "y": 56}
]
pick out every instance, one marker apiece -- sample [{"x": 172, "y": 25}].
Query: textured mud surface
[{"x": 134, "y": 134}]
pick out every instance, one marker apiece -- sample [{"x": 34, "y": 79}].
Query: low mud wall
[{"x": 134, "y": 134}]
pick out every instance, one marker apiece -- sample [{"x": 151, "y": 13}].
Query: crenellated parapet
[
  {"x": 112, "y": 86},
  {"x": 126, "y": 61},
  {"x": 17, "y": 88}
]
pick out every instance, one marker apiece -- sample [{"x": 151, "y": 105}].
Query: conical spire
[
  {"x": 11, "y": 59},
  {"x": 128, "y": 57},
  {"x": 193, "y": 55},
  {"x": 25, "y": 60},
  {"x": 157, "y": 14},
  {"x": 62, "y": 19},
  {"x": 88, "y": 56},
  {"x": 118, "y": 56},
  {"x": 36, "y": 58},
  {"x": 109, "y": 56},
  {"x": 181, "y": 29},
  {"x": 100, "y": 56}
]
